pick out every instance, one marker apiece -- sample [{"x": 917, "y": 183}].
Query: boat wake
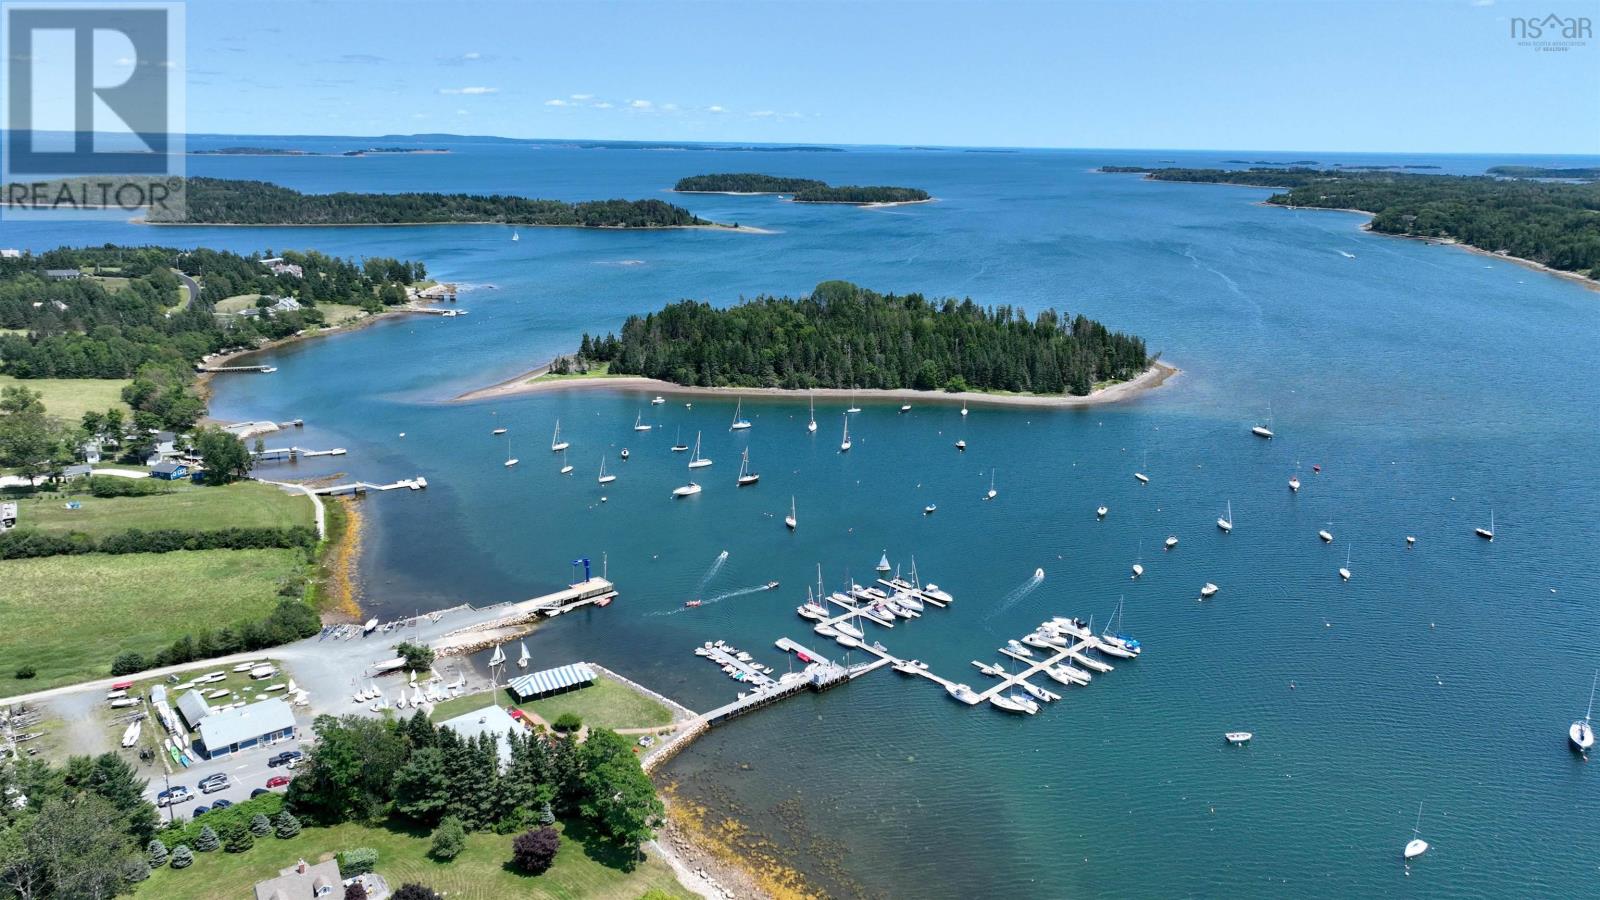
[
  {"x": 711, "y": 601},
  {"x": 711, "y": 572},
  {"x": 1016, "y": 595}
]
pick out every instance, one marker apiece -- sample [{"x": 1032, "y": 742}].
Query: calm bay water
[{"x": 1433, "y": 386}]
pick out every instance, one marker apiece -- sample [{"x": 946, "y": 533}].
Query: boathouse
[
  {"x": 551, "y": 681},
  {"x": 252, "y": 725}
]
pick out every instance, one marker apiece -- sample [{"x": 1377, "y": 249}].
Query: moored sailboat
[
  {"x": 696, "y": 461},
  {"x": 1226, "y": 522},
  {"x": 556, "y": 443},
  {"x": 740, "y": 423},
  {"x": 1581, "y": 733},
  {"x": 844, "y": 445},
  {"x": 790, "y": 520},
  {"x": 746, "y": 477}
]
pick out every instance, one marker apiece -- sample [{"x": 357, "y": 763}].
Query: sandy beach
[{"x": 526, "y": 383}]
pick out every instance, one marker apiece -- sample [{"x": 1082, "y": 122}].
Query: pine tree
[
  {"x": 260, "y": 825},
  {"x": 286, "y": 826},
  {"x": 182, "y": 857},
  {"x": 207, "y": 840},
  {"x": 156, "y": 853}
]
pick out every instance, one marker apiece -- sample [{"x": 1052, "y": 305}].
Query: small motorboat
[
  {"x": 1038, "y": 574},
  {"x": 691, "y": 604},
  {"x": 658, "y": 401},
  {"x": 1100, "y": 512},
  {"x": 963, "y": 693},
  {"x": 1172, "y": 541},
  {"x": 687, "y": 490},
  {"x": 1238, "y": 737},
  {"x": 1294, "y": 484},
  {"x": 961, "y": 444},
  {"x": 624, "y": 453},
  {"x": 1316, "y": 470},
  {"x": 1208, "y": 591},
  {"x": 1411, "y": 540},
  {"x": 905, "y": 407},
  {"x": 772, "y": 585},
  {"x": 930, "y": 509},
  {"x": 1138, "y": 570},
  {"x": 499, "y": 431},
  {"x": 1017, "y": 648}
]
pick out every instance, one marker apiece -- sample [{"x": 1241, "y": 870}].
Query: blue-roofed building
[{"x": 551, "y": 681}]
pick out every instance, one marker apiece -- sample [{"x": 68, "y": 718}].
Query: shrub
[
  {"x": 418, "y": 658},
  {"x": 533, "y": 851},
  {"x": 128, "y": 663},
  {"x": 156, "y": 853},
  {"x": 135, "y": 869},
  {"x": 111, "y": 486},
  {"x": 182, "y": 857},
  {"x": 207, "y": 840},
  {"x": 29, "y": 544},
  {"x": 355, "y": 890},
  {"x": 413, "y": 891},
  {"x": 260, "y": 825},
  {"x": 449, "y": 839},
  {"x": 26, "y": 672},
  {"x": 358, "y": 861},
  {"x": 219, "y": 819},
  {"x": 286, "y": 826},
  {"x": 547, "y": 816},
  {"x": 567, "y": 722},
  {"x": 237, "y": 838}
]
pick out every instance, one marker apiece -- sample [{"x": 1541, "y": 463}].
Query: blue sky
[{"x": 1397, "y": 75}]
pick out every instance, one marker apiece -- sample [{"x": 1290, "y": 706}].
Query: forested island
[
  {"x": 805, "y": 190},
  {"x": 1552, "y": 223},
  {"x": 1579, "y": 174},
  {"x": 844, "y": 336}
]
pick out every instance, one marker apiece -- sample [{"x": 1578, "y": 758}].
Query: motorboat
[
  {"x": 1100, "y": 513},
  {"x": 1208, "y": 590},
  {"x": 498, "y": 431},
  {"x": 658, "y": 401},
  {"x": 961, "y": 444},
  {"x": 624, "y": 453},
  {"x": 1172, "y": 541},
  {"x": 989, "y": 669},
  {"x": 772, "y": 585},
  {"x": 1036, "y": 640},
  {"x": 692, "y": 604},
  {"x": 687, "y": 490},
  {"x": 1017, "y": 648},
  {"x": 1038, "y": 693},
  {"x": 963, "y": 693},
  {"x": 1237, "y": 737},
  {"x": 1294, "y": 483},
  {"x": 930, "y": 509},
  {"x": 905, "y": 408}
]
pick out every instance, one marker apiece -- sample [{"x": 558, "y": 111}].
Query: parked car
[
  {"x": 222, "y": 804},
  {"x": 258, "y": 792},
  {"x": 284, "y": 757},
  {"x": 277, "y": 781},
  {"x": 199, "y": 811},
  {"x": 174, "y": 796},
  {"x": 213, "y": 783}
]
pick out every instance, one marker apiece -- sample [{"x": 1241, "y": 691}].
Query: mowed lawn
[
  {"x": 607, "y": 703},
  {"x": 189, "y": 506},
  {"x": 70, "y": 398},
  {"x": 481, "y": 872},
  {"x": 68, "y": 616}
]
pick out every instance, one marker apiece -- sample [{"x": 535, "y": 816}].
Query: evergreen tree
[
  {"x": 260, "y": 826},
  {"x": 286, "y": 826},
  {"x": 207, "y": 840},
  {"x": 156, "y": 853},
  {"x": 182, "y": 857}
]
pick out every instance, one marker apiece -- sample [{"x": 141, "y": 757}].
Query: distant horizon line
[{"x": 909, "y": 145}]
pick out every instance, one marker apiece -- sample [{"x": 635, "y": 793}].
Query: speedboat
[
  {"x": 963, "y": 693},
  {"x": 1016, "y": 703},
  {"x": 1066, "y": 673},
  {"x": 961, "y": 444},
  {"x": 1208, "y": 590},
  {"x": 686, "y": 490},
  {"x": 906, "y": 667},
  {"x": 1017, "y": 648},
  {"x": 1172, "y": 541},
  {"x": 932, "y": 590},
  {"x": 1238, "y": 737},
  {"x": 1036, "y": 640},
  {"x": 1038, "y": 574},
  {"x": 691, "y": 604},
  {"x": 988, "y": 669},
  {"x": 1100, "y": 513},
  {"x": 658, "y": 401},
  {"x": 930, "y": 509},
  {"x": 1038, "y": 693},
  {"x": 772, "y": 585},
  {"x": 499, "y": 431}
]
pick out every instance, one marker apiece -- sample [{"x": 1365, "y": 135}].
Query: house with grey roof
[
  {"x": 303, "y": 881},
  {"x": 242, "y": 727},
  {"x": 491, "y": 720}
]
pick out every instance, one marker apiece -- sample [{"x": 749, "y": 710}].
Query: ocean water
[{"x": 1434, "y": 387}]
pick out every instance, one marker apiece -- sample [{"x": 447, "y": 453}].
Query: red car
[{"x": 277, "y": 781}]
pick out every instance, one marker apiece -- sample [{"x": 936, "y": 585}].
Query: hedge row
[
  {"x": 187, "y": 832},
  {"x": 111, "y": 486},
  {"x": 30, "y": 543}
]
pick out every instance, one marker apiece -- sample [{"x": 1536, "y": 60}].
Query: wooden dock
[
  {"x": 264, "y": 370},
  {"x": 361, "y": 487},
  {"x": 293, "y": 453}
]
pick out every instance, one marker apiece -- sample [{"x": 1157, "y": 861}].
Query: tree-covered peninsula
[
  {"x": 1553, "y": 223},
  {"x": 805, "y": 190},
  {"x": 844, "y": 336}
]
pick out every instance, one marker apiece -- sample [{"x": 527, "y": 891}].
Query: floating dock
[{"x": 293, "y": 453}]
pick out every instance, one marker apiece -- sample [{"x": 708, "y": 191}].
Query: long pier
[
  {"x": 361, "y": 487},
  {"x": 292, "y": 453},
  {"x": 265, "y": 370}
]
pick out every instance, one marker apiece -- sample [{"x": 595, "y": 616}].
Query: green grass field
[
  {"x": 236, "y": 304},
  {"x": 339, "y": 313},
  {"x": 607, "y": 703},
  {"x": 241, "y": 505},
  {"x": 68, "y": 616},
  {"x": 70, "y": 398},
  {"x": 583, "y": 869}
]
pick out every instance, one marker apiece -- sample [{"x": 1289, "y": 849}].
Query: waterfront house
[
  {"x": 170, "y": 470},
  {"x": 255, "y": 724},
  {"x": 279, "y": 267},
  {"x": 491, "y": 720},
  {"x": 303, "y": 881}
]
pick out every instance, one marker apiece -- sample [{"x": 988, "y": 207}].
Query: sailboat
[
  {"x": 992, "y": 492},
  {"x": 963, "y": 407},
  {"x": 790, "y": 520},
  {"x": 853, "y": 407},
  {"x": 905, "y": 407},
  {"x": 1416, "y": 846},
  {"x": 1172, "y": 541},
  {"x": 739, "y": 423},
  {"x": 498, "y": 658},
  {"x": 499, "y": 430},
  {"x": 1141, "y": 477},
  {"x": 1262, "y": 431},
  {"x": 1115, "y": 643},
  {"x": 1100, "y": 512},
  {"x": 1487, "y": 533},
  {"x": 811, "y": 425},
  {"x": 678, "y": 446},
  {"x": 1138, "y": 563},
  {"x": 1326, "y": 535},
  {"x": 844, "y": 445},
  {"x": 746, "y": 477},
  {"x": 1294, "y": 480},
  {"x": 515, "y": 236},
  {"x": 639, "y": 424},
  {"x": 1344, "y": 573},
  {"x": 510, "y": 460},
  {"x": 1581, "y": 734},
  {"x": 695, "y": 460},
  {"x": 883, "y": 563},
  {"x": 1226, "y": 522},
  {"x": 961, "y": 444},
  {"x": 604, "y": 478},
  {"x": 522, "y": 659},
  {"x": 566, "y": 467},
  {"x": 556, "y": 443}
]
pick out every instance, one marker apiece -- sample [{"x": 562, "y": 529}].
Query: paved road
[
  {"x": 190, "y": 285},
  {"x": 246, "y": 771}
]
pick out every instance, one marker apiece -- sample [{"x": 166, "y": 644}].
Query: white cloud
[
  {"x": 556, "y": 102},
  {"x": 124, "y": 60},
  {"x": 581, "y": 96},
  {"x": 640, "y": 104},
  {"x": 472, "y": 55},
  {"x": 1482, "y": 2},
  {"x": 462, "y": 112},
  {"x": 715, "y": 109},
  {"x": 762, "y": 114},
  {"x": 602, "y": 105},
  {"x": 670, "y": 107},
  {"x": 471, "y": 91}
]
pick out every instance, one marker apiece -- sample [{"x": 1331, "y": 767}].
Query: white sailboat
[
  {"x": 1138, "y": 563},
  {"x": 1172, "y": 541},
  {"x": 515, "y": 236},
  {"x": 1344, "y": 572},
  {"x": 992, "y": 492},
  {"x": 510, "y": 460},
  {"x": 739, "y": 422},
  {"x": 678, "y": 446},
  {"x": 811, "y": 425},
  {"x": 1416, "y": 846},
  {"x": 639, "y": 423},
  {"x": 695, "y": 460},
  {"x": 1226, "y": 522},
  {"x": 1487, "y": 533},
  {"x": 1141, "y": 477},
  {"x": 790, "y": 520},
  {"x": 1294, "y": 480},
  {"x": 524, "y": 656},
  {"x": 1208, "y": 591},
  {"x": 604, "y": 478},
  {"x": 497, "y": 658},
  {"x": 131, "y": 736},
  {"x": 1326, "y": 535},
  {"x": 905, "y": 407},
  {"x": 844, "y": 445},
  {"x": 963, "y": 407},
  {"x": 853, "y": 407},
  {"x": 1114, "y": 642},
  {"x": 1262, "y": 431},
  {"x": 556, "y": 443},
  {"x": 1100, "y": 511},
  {"x": 746, "y": 477},
  {"x": 1581, "y": 734},
  {"x": 566, "y": 467}
]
